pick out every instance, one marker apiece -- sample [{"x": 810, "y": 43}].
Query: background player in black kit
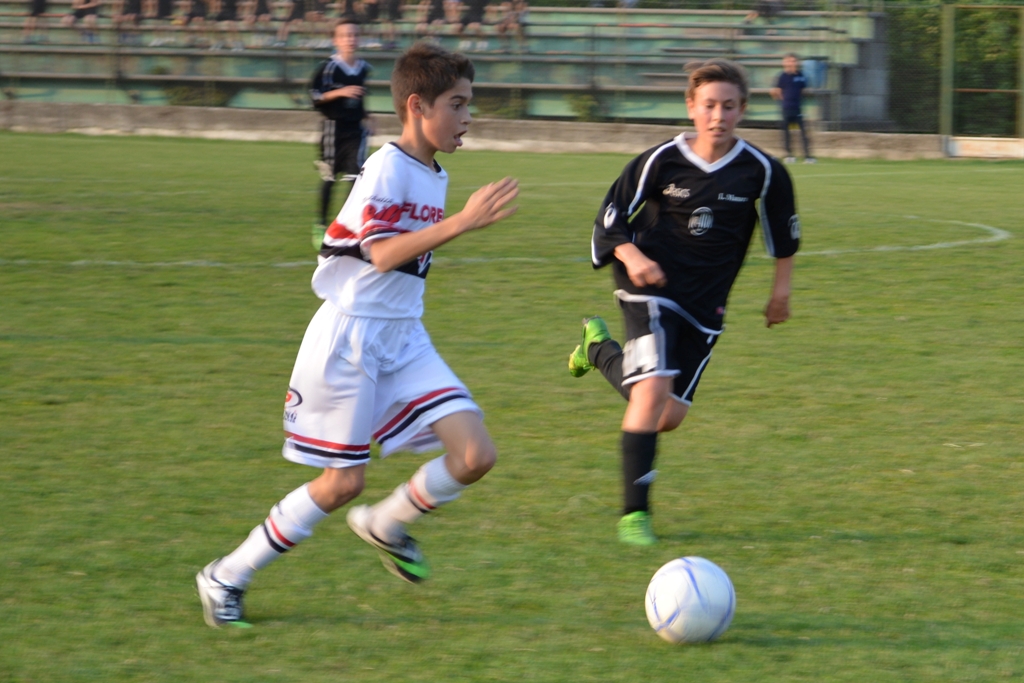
[
  {"x": 676, "y": 227},
  {"x": 337, "y": 91}
]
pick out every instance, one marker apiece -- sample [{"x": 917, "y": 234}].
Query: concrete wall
[
  {"x": 493, "y": 134},
  {"x": 986, "y": 148}
]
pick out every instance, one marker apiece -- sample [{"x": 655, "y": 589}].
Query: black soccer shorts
[
  {"x": 662, "y": 342},
  {"x": 344, "y": 153}
]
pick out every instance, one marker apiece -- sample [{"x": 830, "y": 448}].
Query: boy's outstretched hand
[
  {"x": 777, "y": 311},
  {"x": 489, "y": 204}
]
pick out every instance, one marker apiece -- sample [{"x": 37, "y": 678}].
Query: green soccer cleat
[
  {"x": 635, "y": 529},
  {"x": 594, "y": 331},
  {"x": 401, "y": 557},
  {"x": 318, "y": 235}
]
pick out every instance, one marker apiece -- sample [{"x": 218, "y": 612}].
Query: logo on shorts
[
  {"x": 794, "y": 227},
  {"x": 701, "y": 221},
  {"x": 292, "y": 399},
  {"x": 640, "y": 355}
]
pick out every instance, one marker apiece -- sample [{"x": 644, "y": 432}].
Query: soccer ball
[{"x": 690, "y": 600}]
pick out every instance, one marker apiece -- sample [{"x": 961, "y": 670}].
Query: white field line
[
  {"x": 994, "y": 235},
  {"x": 528, "y": 185}
]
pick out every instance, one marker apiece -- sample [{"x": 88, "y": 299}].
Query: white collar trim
[
  {"x": 350, "y": 69},
  {"x": 697, "y": 161}
]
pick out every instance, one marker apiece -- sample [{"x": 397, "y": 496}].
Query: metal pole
[
  {"x": 835, "y": 70},
  {"x": 1020, "y": 74},
  {"x": 948, "y": 60}
]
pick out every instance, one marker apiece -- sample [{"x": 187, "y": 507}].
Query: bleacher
[{"x": 609, "y": 63}]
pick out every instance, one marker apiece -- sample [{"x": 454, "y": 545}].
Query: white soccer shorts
[{"x": 357, "y": 379}]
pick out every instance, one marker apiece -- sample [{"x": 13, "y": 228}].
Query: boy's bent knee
[
  {"x": 336, "y": 487},
  {"x": 481, "y": 456},
  {"x": 648, "y": 400},
  {"x": 471, "y": 453},
  {"x": 672, "y": 416}
]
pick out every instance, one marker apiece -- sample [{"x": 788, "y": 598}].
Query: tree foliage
[{"x": 987, "y": 44}]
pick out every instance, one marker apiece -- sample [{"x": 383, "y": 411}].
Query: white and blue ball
[{"x": 690, "y": 600}]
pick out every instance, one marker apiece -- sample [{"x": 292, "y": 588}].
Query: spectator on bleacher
[
  {"x": 381, "y": 15},
  {"x": 116, "y": 7},
  {"x": 452, "y": 11},
  {"x": 513, "y": 20},
  {"x": 127, "y": 15},
  {"x": 768, "y": 9},
  {"x": 369, "y": 14},
  {"x": 194, "y": 20},
  {"x": 257, "y": 12},
  {"x": 432, "y": 17},
  {"x": 36, "y": 9},
  {"x": 302, "y": 11},
  {"x": 162, "y": 12},
  {"x": 472, "y": 20},
  {"x": 788, "y": 90},
  {"x": 86, "y": 11},
  {"x": 296, "y": 14},
  {"x": 316, "y": 14},
  {"x": 227, "y": 20}
]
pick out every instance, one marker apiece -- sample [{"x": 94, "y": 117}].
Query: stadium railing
[{"x": 574, "y": 63}]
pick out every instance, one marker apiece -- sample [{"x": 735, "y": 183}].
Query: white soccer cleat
[{"x": 222, "y": 604}]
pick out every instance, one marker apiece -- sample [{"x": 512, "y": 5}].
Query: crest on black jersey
[{"x": 701, "y": 221}]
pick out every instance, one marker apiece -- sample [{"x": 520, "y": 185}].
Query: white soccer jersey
[{"x": 395, "y": 193}]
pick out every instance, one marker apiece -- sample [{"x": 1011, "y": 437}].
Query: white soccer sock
[
  {"x": 431, "y": 487},
  {"x": 290, "y": 522}
]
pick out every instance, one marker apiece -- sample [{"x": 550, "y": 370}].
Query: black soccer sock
[
  {"x": 638, "y": 451},
  {"x": 325, "y": 200},
  {"x": 607, "y": 357}
]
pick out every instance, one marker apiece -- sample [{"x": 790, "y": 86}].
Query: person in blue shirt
[{"x": 789, "y": 87}]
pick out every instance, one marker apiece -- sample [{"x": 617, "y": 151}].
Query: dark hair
[
  {"x": 716, "y": 71},
  {"x": 344, "y": 20},
  {"x": 427, "y": 70}
]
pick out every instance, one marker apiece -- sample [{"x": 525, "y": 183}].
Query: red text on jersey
[{"x": 393, "y": 213}]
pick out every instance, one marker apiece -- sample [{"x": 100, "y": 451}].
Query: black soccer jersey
[
  {"x": 696, "y": 220},
  {"x": 347, "y": 111}
]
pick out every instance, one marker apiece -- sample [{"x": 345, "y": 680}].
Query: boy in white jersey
[{"x": 366, "y": 367}]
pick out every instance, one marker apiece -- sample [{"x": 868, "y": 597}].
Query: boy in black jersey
[
  {"x": 675, "y": 227},
  {"x": 337, "y": 91}
]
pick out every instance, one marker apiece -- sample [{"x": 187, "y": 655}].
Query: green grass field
[{"x": 857, "y": 471}]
